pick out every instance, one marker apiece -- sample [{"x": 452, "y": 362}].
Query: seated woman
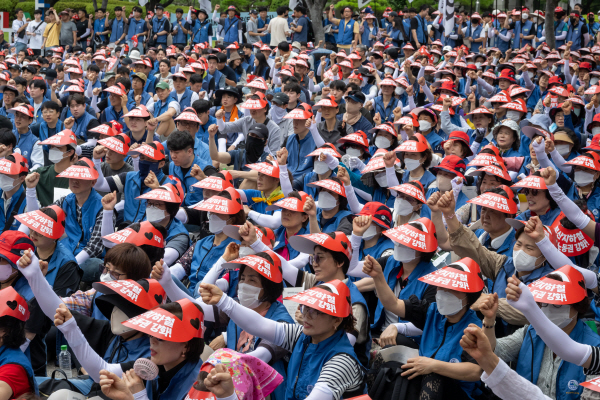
[
  {"x": 175, "y": 332},
  {"x": 331, "y": 212},
  {"x": 562, "y": 301},
  {"x": 458, "y": 144},
  {"x": 16, "y": 372},
  {"x": 507, "y": 137},
  {"x": 449, "y": 178},
  {"x": 539, "y": 201},
  {"x": 322, "y": 357},
  {"x": 527, "y": 260},
  {"x": 325, "y": 162},
  {"x": 375, "y": 176},
  {"x": 260, "y": 286},
  {"x": 442, "y": 366},
  {"x": 385, "y": 137}
]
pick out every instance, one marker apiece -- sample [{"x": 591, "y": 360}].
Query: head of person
[
  {"x": 181, "y": 147},
  {"x": 17, "y": 168},
  {"x": 293, "y": 217},
  {"x": 565, "y": 141},
  {"x": 126, "y": 261},
  {"x": 154, "y": 251},
  {"x": 457, "y": 144},
  {"x": 154, "y": 164},
  {"x": 539, "y": 200},
  {"x": 413, "y": 251},
  {"x": 163, "y": 212},
  {"x": 23, "y": 117},
  {"x": 233, "y": 214},
  {"x": 163, "y": 91},
  {"x": 507, "y": 135},
  {"x": 409, "y": 199},
  {"x": 77, "y": 104},
  {"x": 7, "y": 140},
  {"x": 330, "y": 200},
  {"x": 12, "y": 322},
  {"x": 256, "y": 289},
  {"x": 12, "y": 245},
  {"x": 419, "y": 155},
  {"x": 453, "y": 300}
]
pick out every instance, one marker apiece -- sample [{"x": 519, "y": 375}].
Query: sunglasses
[
  {"x": 311, "y": 313},
  {"x": 316, "y": 259}
]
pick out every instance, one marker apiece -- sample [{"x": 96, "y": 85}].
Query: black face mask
[
  {"x": 574, "y": 21},
  {"x": 254, "y": 149}
]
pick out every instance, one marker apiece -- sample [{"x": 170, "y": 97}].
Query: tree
[
  {"x": 550, "y": 38},
  {"x": 315, "y": 13}
]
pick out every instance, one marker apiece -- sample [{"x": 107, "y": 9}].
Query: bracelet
[
  {"x": 487, "y": 326},
  {"x": 450, "y": 217}
]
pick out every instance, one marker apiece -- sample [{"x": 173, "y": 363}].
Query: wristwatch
[{"x": 487, "y": 326}]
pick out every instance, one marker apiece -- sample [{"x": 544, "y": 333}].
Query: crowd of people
[{"x": 396, "y": 212}]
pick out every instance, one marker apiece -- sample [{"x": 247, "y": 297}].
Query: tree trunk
[
  {"x": 550, "y": 38},
  {"x": 94, "y": 4},
  {"x": 104, "y": 4},
  {"x": 315, "y": 12}
]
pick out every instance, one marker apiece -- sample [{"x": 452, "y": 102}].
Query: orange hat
[
  {"x": 376, "y": 162},
  {"x": 86, "y": 173},
  {"x": 12, "y": 304},
  {"x": 422, "y": 240},
  {"x": 14, "y": 168},
  {"x": 62, "y": 138},
  {"x": 587, "y": 162},
  {"x": 148, "y": 234},
  {"x": 43, "y": 223},
  {"x": 411, "y": 190},
  {"x": 105, "y": 130},
  {"x": 467, "y": 279},
  {"x": 531, "y": 182},
  {"x": 358, "y": 137},
  {"x": 327, "y": 148},
  {"x": 290, "y": 203},
  {"x": 570, "y": 242},
  {"x": 168, "y": 193},
  {"x": 335, "y": 302},
  {"x": 221, "y": 205},
  {"x": 138, "y": 294},
  {"x": 494, "y": 169},
  {"x": 271, "y": 271},
  {"x": 215, "y": 183},
  {"x": 116, "y": 145},
  {"x": 550, "y": 291},
  {"x": 138, "y": 112},
  {"x": 331, "y": 185},
  {"x": 233, "y": 231},
  {"x": 497, "y": 202},
  {"x": 269, "y": 168},
  {"x": 154, "y": 150},
  {"x": 306, "y": 243}
]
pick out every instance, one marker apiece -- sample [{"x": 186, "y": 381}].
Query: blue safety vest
[
  {"x": 118, "y": 28},
  {"x": 440, "y": 340},
  {"x": 78, "y": 234},
  {"x": 307, "y": 360},
  {"x": 186, "y": 99},
  {"x": 425, "y": 180},
  {"x": 121, "y": 351},
  {"x": 362, "y": 350},
  {"x": 298, "y": 149},
  {"x": 16, "y": 356},
  {"x": 135, "y": 28},
  {"x": 5, "y": 215},
  {"x": 81, "y": 124},
  {"x": 421, "y": 30},
  {"x": 161, "y": 107},
  {"x": 205, "y": 256},
  {"x": 278, "y": 313},
  {"x": 202, "y": 134},
  {"x": 387, "y": 113},
  {"x": 200, "y": 31},
  {"x": 383, "y": 243},
  {"x": 179, "y": 386},
  {"x": 547, "y": 219},
  {"x": 110, "y": 114},
  {"x": 99, "y": 26},
  {"x": 559, "y": 28},
  {"x": 505, "y": 248},
  {"x": 230, "y": 29},
  {"x": 345, "y": 34},
  {"x": 569, "y": 375},
  {"x": 332, "y": 224},
  {"x": 435, "y": 141},
  {"x": 508, "y": 269},
  {"x": 501, "y": 44},
  {"x": 179, "y": 37},
  {"x": 25, "y": 143},
  {"x": 369, "y": 31},
  {"x": 280, "y": 242},
  {"x": 261, "y": 24},
  {"x": 158, "y": 25},
  {"x": 575, "y": 35},
  {"x": 525, "y": 29},
  {"x": 192, "y": 194},
  {"x": 135, "y": 209},
  {"x": 150, "y": 87}
]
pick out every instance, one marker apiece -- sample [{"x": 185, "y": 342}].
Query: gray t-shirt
[
  {"x": 252, "y": 26},
  {"x": 108, "y": 171},
  {"x": 66, "y": 33}
]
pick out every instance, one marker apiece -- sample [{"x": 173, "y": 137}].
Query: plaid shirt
[
  {"x": 81, "y": 302},
  {"x": 94, "y": 246}
]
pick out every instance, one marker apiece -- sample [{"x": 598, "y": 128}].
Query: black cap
[
  {"x": 126, "y": 61},
  {"x": 221, "y": 57},
  {"x": 254, "y": 12},
  {"x": 159, "y": 7},
  {"x": 31, "y": 69},
  {"x": 280, "y": 98},
  {"x": 202, "y": 10},
  {"x": 260, "y": 130},
  {"x": 49, "y": 72}
]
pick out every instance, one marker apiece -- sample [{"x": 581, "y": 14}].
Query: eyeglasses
[
  {"x": 311, "y": 313},
  {"x": 116, "y": 276},
  {"x": 411, "y": 200},
  {"x": 533, "y": 192},
  {"x": 542, "y": 305},
  {"x": 316, "y": 259}
]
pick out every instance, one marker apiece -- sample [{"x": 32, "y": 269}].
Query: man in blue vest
[
  {"x": 100, "y": 28},
  {"x": 523, "y": 31},
  {"x": 577, "y": 33},
  {"x": 198, "y": 26},
  {"x": 160, "y": 28},
  {"x": 348, "y": 28},
  {"x": 117, "y": 27},
  {"x": 232, "y": 27},
  {"x": 418, "y": 28},
  {"x": 137, "y": 27},
  {"x": 26, "y": 142},
  {"x": 474, "y": 33},
  {"x": 182, "y": 92},
  {"x": 263, "y": 23},
  {"x": 179, "y": 34},
  {"x": 81, "y": 122}
]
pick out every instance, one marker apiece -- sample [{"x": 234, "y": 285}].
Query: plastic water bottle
[{"x": 64, "y": 360}]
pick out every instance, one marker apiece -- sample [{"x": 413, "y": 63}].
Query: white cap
[
  {"x": 496, "y": 12},
  {"x": 446, "y": 48}
]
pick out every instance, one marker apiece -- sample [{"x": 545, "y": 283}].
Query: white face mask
[
  {"x": 435, "y": 59},
  {"x": 594, "y": 81},
  {"x": 403, "y": 253},
  {"x": 403, "y": 207},
  {"x": 411, "y": 164},
  {"x": 577, "y": 111},
  {"x": 277, "y": 114},
  {"x": 381, "y": 179},
  {"x": 117, "y": 318},
  {"x": 514, "y": 115},
  {"x": 326, "y": 201},
  {"x": 596, "y": 130},
  {"x": 424, "y": 125},
  {"x": 353, "y": 152},
  {"x": 55, "y": 155},
  {"x": 154, "y": 214},
  {"x": 248, "y": 295},
  {"x": 558, "y": 315},
  {"x": 382, "y": 142},
  {"x": 583, "y": 178},
  {"x": 399, "y": 91},
  {"x": 215, "y": 224},
  {"x": 525, "y": 16},
  {"x": 563, "y": 149},
  {"x": 370, "y": 232},
  {"x": 531, "y": 74},
  {"x": 388, "y": 70},
  {"x": 320, "y": 167},
  {"x": 5, "y": 272},
  {"x": 246, "y": 251},
  {"x": 478, "y": 64},
  {"x": 7, "y": 183},
  {"x": 524, "y": 262},
  {"x": 106, "y": 278},
  {"x": 444, "y": 183},
  {"x": 447, "y": 303}
]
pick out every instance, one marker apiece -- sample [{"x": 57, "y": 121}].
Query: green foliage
[{"x": 378, "y": 6}]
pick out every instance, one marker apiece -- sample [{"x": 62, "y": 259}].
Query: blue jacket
[
  {"x": 475, "y": 34},
  {"x": 110, "y": 114},
  {"x": 383, "y": 243},
  {"x": 81, "y": 124},
  {"x": 135, "y": 209},
  {"x": 179, "y": 386},
  {"x": 547, "y": 219},
  {"x": 99, "y": 27},
  {"x": 441, "y": 340},
  {"x": 414, "y": 286},
  {"x": 569, "y": 375},
  {"x": 202, "y": 133},
  {"x": 179, "y": 37},
  {"x": 150, "y": 87},
  {"x": 120, "y": 351},
  {"x": 230, "y": 29},
  {"x": 278, "y": 313},
  {"x": 176, "y": 228},
  {"x": 508, "y": 269},
  {"x": 575, "y": 35},
  {"x": 201, "y": 31},
  {"x": 117, "y": 29},
  {"x": 526, "y": 29},
  {"x": 135, "y": 28},
  {"x": 79, "y": 235},
  {"x": 205, "y": 256},
  {"x": 16, "y": 356},
  {"x": 559, "y": 27},
  {"x": 298, "y": 163},
  {"x": 435, "y": 141},
  {"x": 4, "y": 217},
  {"x": 307, "y": 360},
  {"x": 387, "y": 113}
]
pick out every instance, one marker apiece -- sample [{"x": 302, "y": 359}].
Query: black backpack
[
  {"x": 386, "y": 383},
  {"x": 311, "y": 32}
]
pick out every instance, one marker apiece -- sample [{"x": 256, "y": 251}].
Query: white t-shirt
[
  {"x": 278, "y": 27},
  {"x": 15, "y": 27},
  {"x": 36, "y": 41}
]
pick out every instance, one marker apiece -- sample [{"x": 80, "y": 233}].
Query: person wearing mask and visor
[
  {"x": 523, "y": 31},
  {"x": 374, "y": 175},
  {"x": 566, "y": 143},
  {"x": 449, "y": 178},
  {"x": 442, "y": 365},
  {"x": 416, "y": 156},
  {"x": 330, "y": 212},
  {"x": 526, "y": 261},
  {"x": 13, "y": 171},
  {"x": 384, "y": 136},
  {"x": 410, "y": 203},
  {"x": 268, "y": 192},
  {"x": 578, "y": 33},
  {"x": 132, "y": 184},
  {"x": 355, "y": 145}
]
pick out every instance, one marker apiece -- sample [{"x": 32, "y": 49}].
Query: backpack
[{"x": 311, "y": 32}]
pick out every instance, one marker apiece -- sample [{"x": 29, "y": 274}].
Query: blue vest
[
  {"x": 475, "y": 34},
  {"x": 559, "y": 27},
  {"x": 425, "y": 180},
  {"x": 157, "y": 27},
  {"x": 131, "y": 101},
  {"x": 261, "y": 24},
  {"x": 501, "y": 44},
  {"x": 120, "y": 351},
  {"x": 345, "y": 34},
  {"x": 202, "y": 134},
  {"x": 525, "y": 29},
  {"x": 452, "y": 42},
  {"x": 135, "y": 28},
  {"x": 280, "y": 242},
  {"x": 110, "y": 114},
  {"x": 150, "y": 87},
  {"x": 25, "y": 143},
  {"x": 575, "y": 35},
  {"x": 508, "y": 270},
  {"x": 192, "y": 194},
  {"x": 205, "y": 256},
  {"x": 161, "y": 107},
  {"x": 179, "y": 37},
  {"x": 298, "y": 149},
  {"x": 15, "y": 199},
  {"x": 414, "y": 286},
  {"x": 384, "y": 196},
  {"x": 307, "y": 360},
  {"x": 44, "y": 132},
  {"x": 79, "y": 235},
  {"x": 383, "y": 243},
  {"x": 80, "y": 126},
  {"x": 333, "y": 223},
  {"x": 118, "y": 28},
  {"x": 435, "y": 141},
  {"x": 135, "y": 209},
  {"x": 16, "y": 356},
  {"x": 365, "y": 35},
  {"x": 421, "y": 30},
  {"x": 186, "y": 99},
  {"x": 387, "y": 113},
  {"x": 176, "y": 228},
  {"x": 99, "y": 27},
  {"x": 179, "y": 386},
  {"x": 569, "y": 375},
  {"x": 230, "y": 29},
  {"x": 278, "y": 313},
  {"x": 445, "y": 347},
  {"x": 200, "y": 31}
]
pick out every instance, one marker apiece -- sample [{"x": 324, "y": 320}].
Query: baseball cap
[
  {"x": 12, "y": 246},
  {"x": 162, "y": 85},
  {"x": 254, "y": 12},
  {"x": 143, "y": 77},
  {"x": 357, "y": 96},
  {"x": 280, "y": 98},
  {"x": 260, "y": 130}
]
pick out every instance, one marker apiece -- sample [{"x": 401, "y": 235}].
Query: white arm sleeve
[
  {"x": 262, "y": 353},
  {"x": 107, "y": 227},
  {"x": 428, "y": 93},
  {"x": 316, "y": 135},
  {"x": 408, "y": 329},
  {"x": 284, "y": 180},
  {"x": 300, "y": 261},
  {"x": 101, "y": 183},
  {"x": 47, "y": 299},
  {"x": 171, "y": 255},
  {"x": 31, "y": 197},
  {"x": 82, "y": 257},
  {"x": 355, "y": 268},
  {"x": 559, "y": 161},
  {"x": 289, "y": 271},
  {"x": 320, "y": 392},
  {"x": 353, "y": 203},
  {"x": 213, "y": 274},
  {"x": 567, "y": 206},
  {"x": 90, "y": 360},
  {"x": 268, "y": 221},
  {"x": 507, "y": 384}
]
